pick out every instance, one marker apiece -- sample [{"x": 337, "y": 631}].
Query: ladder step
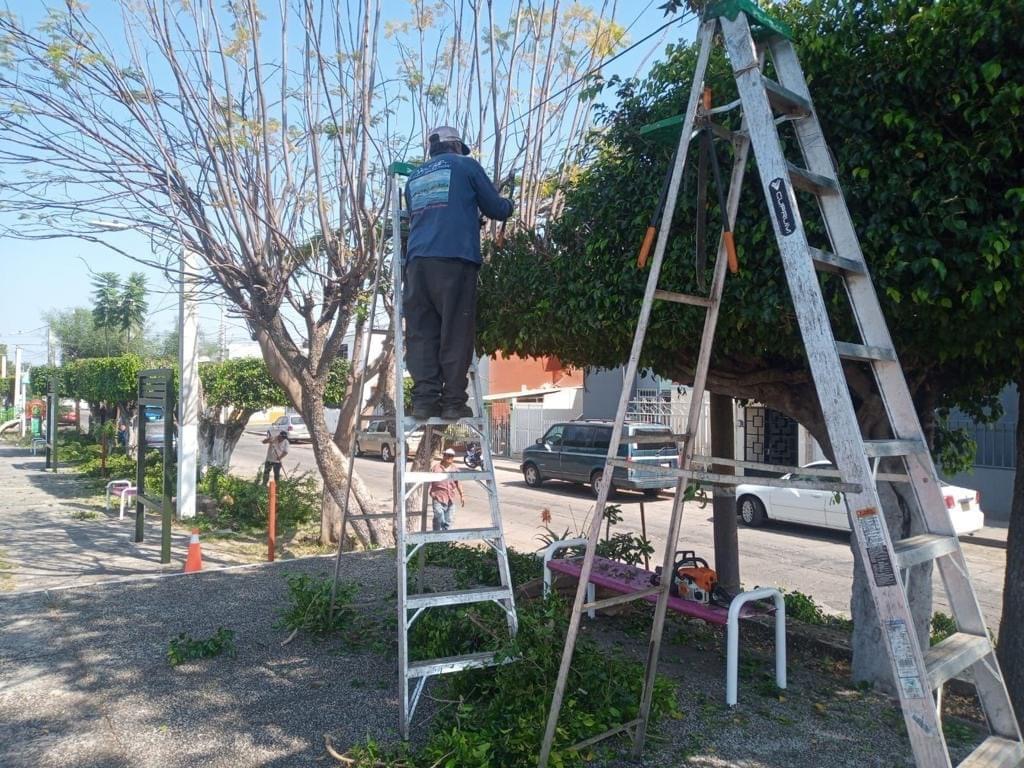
[
  {"x": 437, "y": 421},
  {"x": 682, "y": 298},
  {"x": 865, "y": 352},
  {"x": 379, "y": 331},
  {"x": 897, "y": 447},
  {"x": 458, "y": 597},
  {"x": 714, "y": 478},
  {"x": 453, "y": 534},
  {"x": 413, "y": 478},
  {"x": 953, "y": 655},
  {"x": 619, "y": 599},
  {"x": 811, "y": 182},
  {"x": 829, "y": 262},
  {"x": 656, "y": 439},
  {"x": 451, "y": 664},
  {"x": 995, "y": 752},
  {"x": 785, "y": 101},
  {"x": 922, "y": 548}
]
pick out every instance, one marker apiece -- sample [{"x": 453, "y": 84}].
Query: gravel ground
[{"x": 84, "y": 682}]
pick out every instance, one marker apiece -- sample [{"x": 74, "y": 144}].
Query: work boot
[
  {"x": 453, "y": 412},
  {"x": 424, "y": 411}
]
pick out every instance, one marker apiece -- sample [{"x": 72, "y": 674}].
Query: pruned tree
[
  {"x": 916, "y": 117},
  {"x": 517, "y": 88},
  {"x": 255, "y": 137}
]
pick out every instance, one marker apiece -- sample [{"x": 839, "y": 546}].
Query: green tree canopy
[
  {"x": 79, "y": 337},
  {"x": 918, "y": 102}
]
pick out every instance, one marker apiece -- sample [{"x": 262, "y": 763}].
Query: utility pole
[
  {"x": 188, "y": 396},
  {"x": 19, "y": 396},
  {"x": 222, "y": 334},
  {"x": 51, "y": 346}
]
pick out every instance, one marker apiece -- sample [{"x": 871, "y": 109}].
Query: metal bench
[
  {"x": 626, "y": 579},
  {"x": 124, "y": 490}
]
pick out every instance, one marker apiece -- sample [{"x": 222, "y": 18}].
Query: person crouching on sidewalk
[{"x": 441, "y": 493}]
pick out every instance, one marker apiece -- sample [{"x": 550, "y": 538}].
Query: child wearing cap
[{"x": 441, "y": 493}]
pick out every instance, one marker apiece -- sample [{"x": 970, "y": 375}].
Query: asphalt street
[{"x": 814, "y": 561}]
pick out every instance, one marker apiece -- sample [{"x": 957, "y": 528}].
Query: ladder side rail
[
  {"x": 401, "y": 585},
  {"x": 923, "y": 724},
  {"x": 693, "y": 418},
  {"x": 705, "y": 36},
  {"x": 358, "y": 389},
  {"x": 898, "y": 402},
  {"x": 500, "y": 546}
]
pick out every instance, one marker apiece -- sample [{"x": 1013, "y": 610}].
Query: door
[
  {"x": 370, "y": 440},
  {"x": 800, "y": 505},
  {"x": 576, "y": 457},
  {"x": 546, "y": 455}
]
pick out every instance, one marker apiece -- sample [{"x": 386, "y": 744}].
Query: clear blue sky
[{"x": 55, "y": 274}]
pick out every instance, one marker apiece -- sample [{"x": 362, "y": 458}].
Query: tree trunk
[
  {"x": 333, "y": 464},
  {"x": 217, "y": 441},
  {"x": 723, "y": 504},
  {"x": 1011, "y": 628}
]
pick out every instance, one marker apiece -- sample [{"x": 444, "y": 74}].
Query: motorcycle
[{"x": 473, "y": 457}]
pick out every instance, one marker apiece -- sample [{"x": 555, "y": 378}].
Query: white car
[
  {"x": 294, "y": 425},
  {"x": 757, "y": 503}
]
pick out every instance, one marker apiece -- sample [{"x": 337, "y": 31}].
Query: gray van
[{"x": 576, "y": 451}]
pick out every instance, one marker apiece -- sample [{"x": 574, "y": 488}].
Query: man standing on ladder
[{"x": 445, "y": 197}]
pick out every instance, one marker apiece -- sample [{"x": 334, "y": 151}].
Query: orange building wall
[{"x": 516, "y": 373}]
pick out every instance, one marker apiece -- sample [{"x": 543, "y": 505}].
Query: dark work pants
[{"x": 440, "y": 329}]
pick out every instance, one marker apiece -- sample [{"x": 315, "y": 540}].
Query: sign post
[
  {"x": 156, "y": 400},
  {"x": 52, "y": 403}
]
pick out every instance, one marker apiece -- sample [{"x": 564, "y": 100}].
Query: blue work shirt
[{"x": 445, "y": 197}]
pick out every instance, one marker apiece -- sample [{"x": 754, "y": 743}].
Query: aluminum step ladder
[
  {"x": 413, "y": 675},
  {"x": 750, "y": 35}
]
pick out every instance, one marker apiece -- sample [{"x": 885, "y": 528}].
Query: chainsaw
[{"x": 692, "y": 579}]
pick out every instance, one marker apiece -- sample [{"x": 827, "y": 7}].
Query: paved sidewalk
[{"x": 48, "y": 542}]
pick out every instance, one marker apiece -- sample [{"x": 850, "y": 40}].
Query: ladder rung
[
  {"x": 379, "y": 331},
  {"x": 413, "y": 478},
  {"x": 451, "y": 664},
  {"x": 714, "y": 478},
  {"x": 922, "y": 548},
  {"x": 453, "y": 534},
  {"x": 826, "y": 261},
  {"x": 897, "y": 447},
  {"x": 437, "y": 421},
  {"x": 785, "y": 101},
  {"x": 374, "y": 516},
  {"x": 995, "y": 752},
  {"x": 953, "y": 655},
  {"x": 458, "y": 597},
  {"x": 865, "y": 352},
  {"x": 682, "y": 298},
  {"x": 655, "y": 439},
  {"x": 811, "y": 182},
  {"x": 619, "y": 599}
]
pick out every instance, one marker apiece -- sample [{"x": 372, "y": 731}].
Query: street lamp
[{"x": 188, "y": 366}]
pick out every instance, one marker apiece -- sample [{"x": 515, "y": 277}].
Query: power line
[{"x": 685, "y": 17}]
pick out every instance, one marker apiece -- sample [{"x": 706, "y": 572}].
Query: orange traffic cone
[{"x": 194, "y": 561}]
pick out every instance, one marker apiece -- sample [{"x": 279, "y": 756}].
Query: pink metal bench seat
[{"x": 624, "y": 579}]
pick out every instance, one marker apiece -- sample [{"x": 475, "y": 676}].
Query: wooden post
[
  {"x": 271, "y": 520},
  {"x": 723, "y": 503}
]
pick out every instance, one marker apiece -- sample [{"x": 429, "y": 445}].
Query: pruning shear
[{"x": 707, "y": 157}]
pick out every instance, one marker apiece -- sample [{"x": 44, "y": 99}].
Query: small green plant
[
  {"x": 84, "y": 514},
  {"x": 802, "y": 608},
  {"x": 184, "y": 647},
  {"x": 942, "y": 627},
  {"x": 309, "y": 608}
]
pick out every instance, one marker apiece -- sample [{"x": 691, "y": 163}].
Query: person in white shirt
[{"x": 277, "y": 449}]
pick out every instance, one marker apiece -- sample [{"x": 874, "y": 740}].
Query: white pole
[
  {"x": 3, "y": 365},
  {"x": 188, "y": 395},
  {"x": 19, "y": 396}
]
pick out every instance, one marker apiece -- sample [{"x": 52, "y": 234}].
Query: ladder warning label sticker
[
  {"x": 903, "y": 658},
  {"x": 871, "y": 523},
  {"x": 779, "y": 194}
]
